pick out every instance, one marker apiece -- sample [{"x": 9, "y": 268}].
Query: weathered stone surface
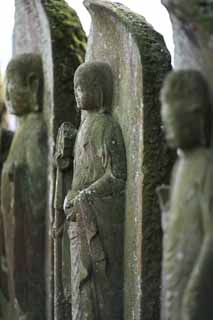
[
  {"x": 193, "y": 37},
  {"x": 193, "y": 34},
  {"x": 54, "y": 31},
  {"x": 95, "y": 205},
  {"x": 139, "y": 61},
  {"x": 187, "y": 248},
  {"x": 24, "y": 187},
  {"x": 68, "y": 51},
  {"x": 62, "y": 266}
]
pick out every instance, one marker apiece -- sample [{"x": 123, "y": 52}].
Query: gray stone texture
[
  {"x": 192, "y": 23},
  {"x": 193, "y": 34},
  {"x": 187, "y": 247},
  {"x": 52, "y": 29},
  {"x": 139, "y": 61},
  {"x": 23, "y": 191},
  {"x": 95, "y": 204}
]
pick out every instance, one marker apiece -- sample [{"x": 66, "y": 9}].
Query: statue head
[
  {"x": 93, "y": 84},
  {"x": 24, "y": 84},
  {"x": 185, "y": 109}
]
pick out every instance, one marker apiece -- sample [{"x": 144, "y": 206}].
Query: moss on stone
[
  {"x": 66, "y": 27},
  {"x": 156, "y": 163},
  {"x": 69, "y": 46}
]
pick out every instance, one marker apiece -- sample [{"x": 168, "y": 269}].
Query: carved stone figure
[
  {"x": 95, "y": 204},
  {"x": 64, "y": 164},
  {"x": 24, "y": 189},
  {"x": 188, "y": 223}
]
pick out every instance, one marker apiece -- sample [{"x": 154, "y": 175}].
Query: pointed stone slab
[{"x": 139, "y": 60}]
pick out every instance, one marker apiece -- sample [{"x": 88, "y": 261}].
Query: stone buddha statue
[
  {"x": 95, "y": 204},
  {"x": 187, "y": 292},
  {"x": 24, "y": 188}
]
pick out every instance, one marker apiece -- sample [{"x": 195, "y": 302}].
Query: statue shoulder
[{"x": 108, "y": 121}]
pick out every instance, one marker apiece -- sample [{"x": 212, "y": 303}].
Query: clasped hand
[{"x": 72, "y": 201}]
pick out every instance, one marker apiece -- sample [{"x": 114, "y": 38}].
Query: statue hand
[
  {"x": 83, "y": 195},
  {"x": 69, "y": 206},
  {"x": 72, "y": 201}
]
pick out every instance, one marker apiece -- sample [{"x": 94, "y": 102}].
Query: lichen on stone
[
  {"x": 68, "y": 50},
  {"x": 66, "y": 27}
]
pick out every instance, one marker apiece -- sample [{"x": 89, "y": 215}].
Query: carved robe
[
  {"x": 24, "y": 204},
  {"x": 97, "y": 234},
  {"x": 188, "y": 242}
]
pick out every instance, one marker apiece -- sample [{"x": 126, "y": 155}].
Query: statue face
[
  {"x": 184, "y": 129},
  {"x": 21, "y": 98},
  {"x": 88, "y": 98}
]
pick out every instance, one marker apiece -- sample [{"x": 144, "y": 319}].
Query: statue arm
[
  {"x": 114, "y": 161},
  {"x": 198, "y": 295}
]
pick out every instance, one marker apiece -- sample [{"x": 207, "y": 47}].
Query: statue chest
[{"x": 90, "y": 154}]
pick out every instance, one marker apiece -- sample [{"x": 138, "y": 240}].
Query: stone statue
[
  {"x": 64, "y": 164},
  {"x": 95, "y": 204},
  {"x": 24, "y": 189},
  {"x": 188, "y": 207}
]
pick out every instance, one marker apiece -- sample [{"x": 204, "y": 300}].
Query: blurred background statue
[
  {"x": 188, "y": 238},
  {"x": 64, "y": 165},
  {"x": 24, "y": 188}
]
